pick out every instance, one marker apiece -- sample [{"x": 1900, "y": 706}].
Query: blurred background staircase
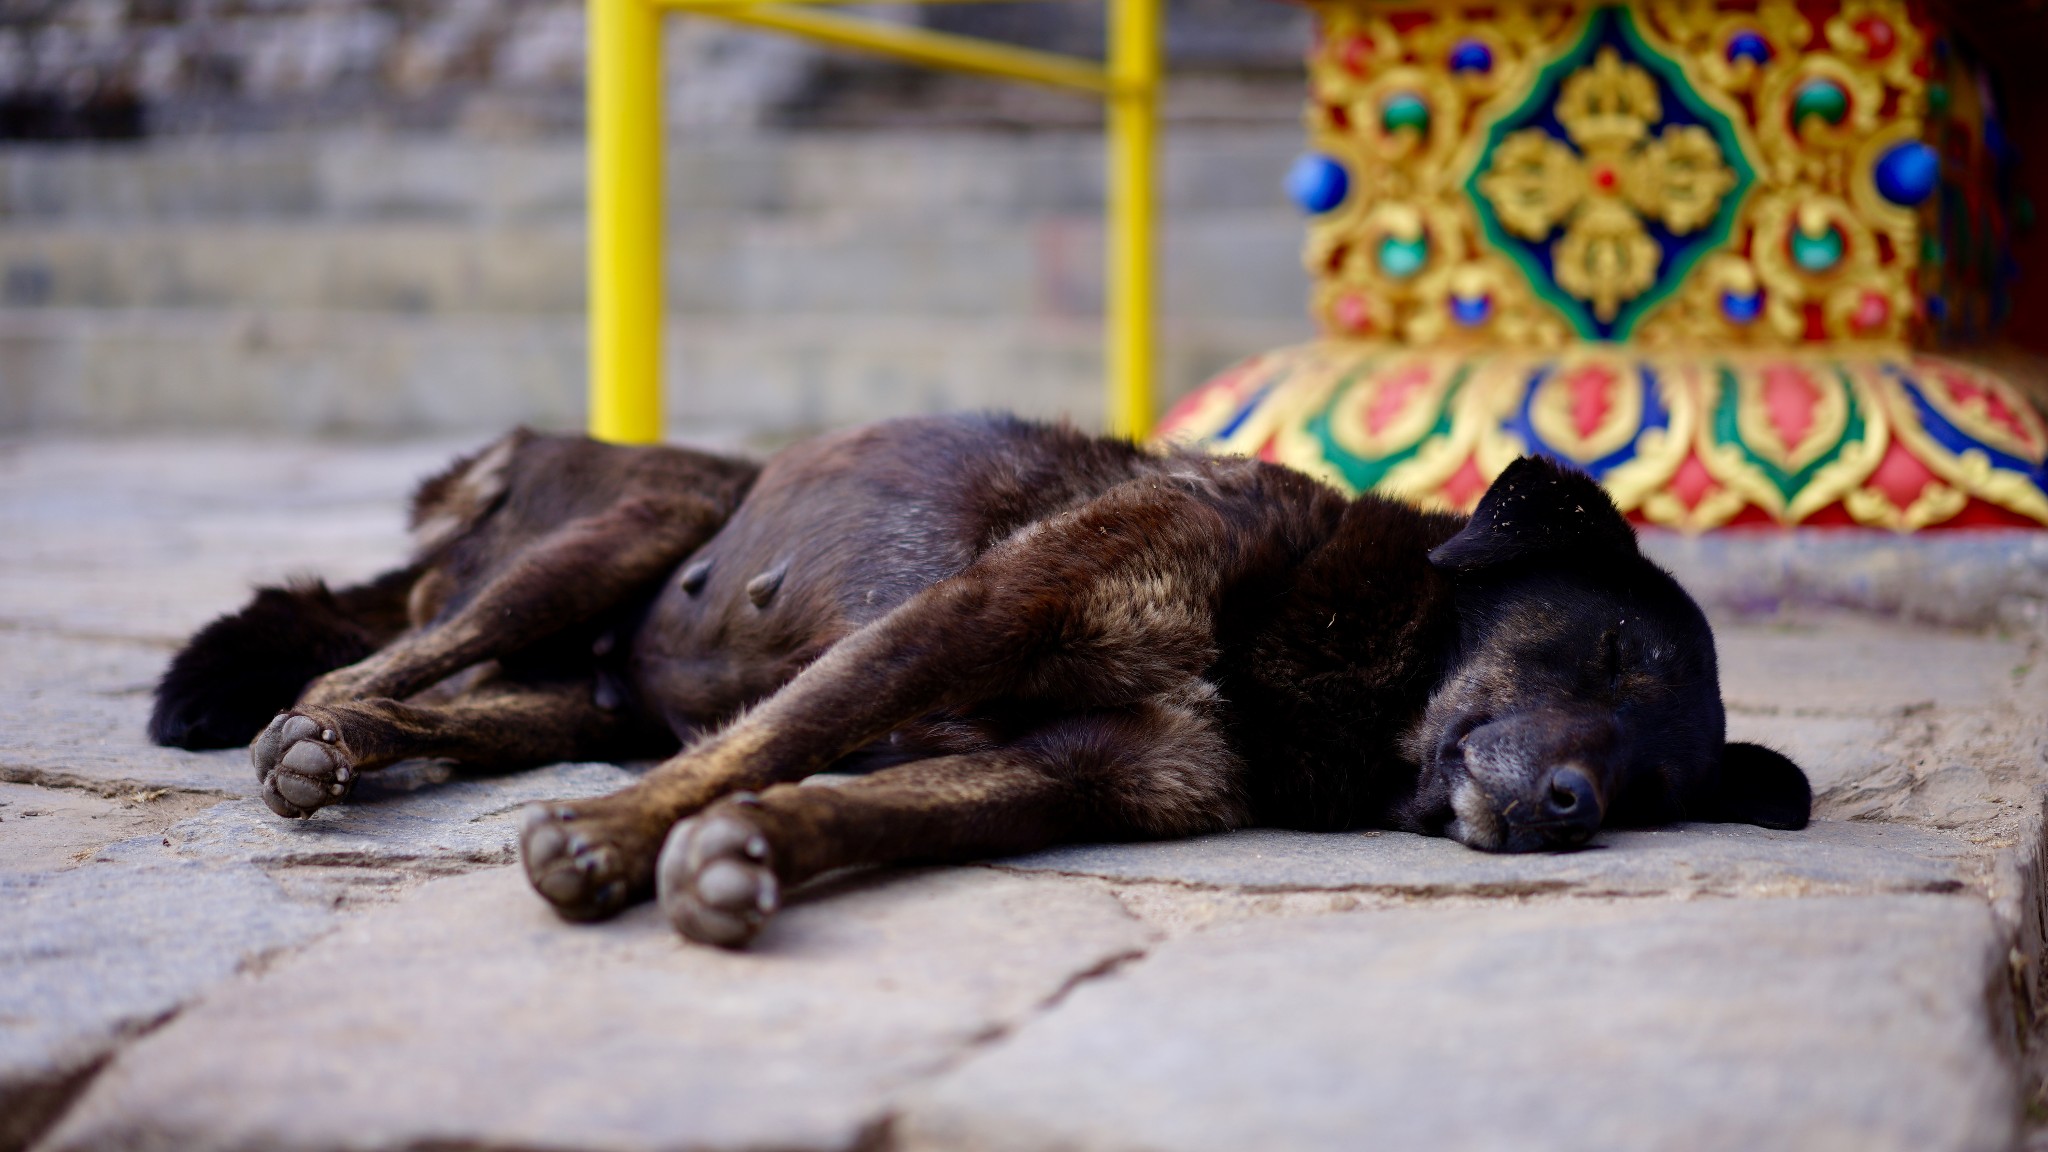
[{"x": 208, "y": 221}]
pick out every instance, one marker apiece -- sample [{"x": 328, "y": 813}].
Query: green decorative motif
[{"x": 1611, "y": 180}]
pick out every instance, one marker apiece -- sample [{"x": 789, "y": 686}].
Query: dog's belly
[{"x": 836, "y": 532}]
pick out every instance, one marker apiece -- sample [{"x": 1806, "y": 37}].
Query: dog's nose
[{"x": 1571, "y": 806}]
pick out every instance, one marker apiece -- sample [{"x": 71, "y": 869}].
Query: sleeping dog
[{"x": 1014, "y": 633}]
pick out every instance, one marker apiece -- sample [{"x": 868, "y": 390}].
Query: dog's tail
[{"x": 242, "y": 669}]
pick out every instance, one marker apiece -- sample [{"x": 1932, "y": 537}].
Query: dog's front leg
[
  {"x": 313, "y": 755},
  {"x": 1100, "y": 607},
  {"x": 1156, "y": 769}
]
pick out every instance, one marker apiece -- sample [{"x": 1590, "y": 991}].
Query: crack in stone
[
  {"x": 29, "y": 1111},
  {"x": 115, "y": 789},
  {"x": 1790, "y": 888}
]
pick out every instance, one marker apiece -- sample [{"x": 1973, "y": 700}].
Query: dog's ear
[
  {"x": 1538, "y": 509},
  {"x": 1761, "y": 787}
]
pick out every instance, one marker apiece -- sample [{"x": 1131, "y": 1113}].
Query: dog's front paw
[
  {"x": 302, "y": 763},
  {"x": 716, "y": 878},
  {"x": 588, "y": 863}
]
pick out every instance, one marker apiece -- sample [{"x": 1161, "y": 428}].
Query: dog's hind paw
[
  {"x": 587, "y": 865},
  {"x": 302, "y": 764},
  {"x": 716, "y": 879}
]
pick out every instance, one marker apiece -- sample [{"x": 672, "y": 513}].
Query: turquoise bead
[
  {"x": 1404, "y": 110},
  {"x": 1401, "y": 259},
  {"x": 1817, "y": 253},
  {"x": 1823, "y": 98}
]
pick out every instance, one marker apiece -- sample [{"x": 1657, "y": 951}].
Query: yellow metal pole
[
  {"x": 625, "y": 221},
  {"x": 1134, "y": 71}
]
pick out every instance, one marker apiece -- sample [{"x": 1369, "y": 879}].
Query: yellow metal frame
[{"x": 625, "y": 181}]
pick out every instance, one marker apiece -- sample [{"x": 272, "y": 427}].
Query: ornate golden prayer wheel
[{"x": 1708, "y": 250}]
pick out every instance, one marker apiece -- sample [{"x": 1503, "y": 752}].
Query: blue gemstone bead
[
  {"x": 1908, "y": 173},
  {"x": 1750, "y": 46},
  {"x": 1472, "y": 56},
  {"x": 1471, "y": 311},
  {"x": 1741, "y": 309},
  {"x": 1937, "y": 309},
  {"x": 1317, "y": 183}
]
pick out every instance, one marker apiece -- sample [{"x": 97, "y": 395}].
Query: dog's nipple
[{"x": 761, "y": 589}]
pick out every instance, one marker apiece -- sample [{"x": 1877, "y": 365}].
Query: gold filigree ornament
[
  {"x": 1679, "y": 178},
  {"x": 1601, "y": 192},
  {"x": 1608, "y": 104},
  {"x": 1479, "y": 303},
  {"x": 1380, "y": 412},
  {"x": 1972, "y": 470},
  {"x": 1587, "y": 405},
  {"x": 1784, "y": 475},
  {"x": 1803, "y": 144},
  {"x": 1868, "y": 504},
  {"x": 1881, "y": 35},
  {"x": 1698, "y": 318},
  {"x": 1780, "y": 24},
  {"x": 1410, "y": 119},
  {"x": 1534, "y": 183},
  {"x": 1380, "y": 271},
  {"x": 1468, "y": 383},
  {"x": 1309, "y": 372},
  {"x": 1605, "y": 258},
  {"x": 1793, "y": 271}
]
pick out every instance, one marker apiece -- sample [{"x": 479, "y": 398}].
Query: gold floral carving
[{"x": 1602, "y": 192}]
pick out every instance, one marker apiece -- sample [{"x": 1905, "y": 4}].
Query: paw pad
[
  {"x": 715, "y": 878},
  {"x": 300, "y": 764},
  {"x": 570, "y": 863}
]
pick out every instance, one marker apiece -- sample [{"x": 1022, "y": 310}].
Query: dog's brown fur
[{"x": 1021, "y": 634}]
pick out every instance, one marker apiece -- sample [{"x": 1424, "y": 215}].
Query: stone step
[
  {"x": 186, "y": 970},
  {"x": 1241, "y": 264},
  {"x": 370, "y": 373},
  {"x": 953, "y": 174}
]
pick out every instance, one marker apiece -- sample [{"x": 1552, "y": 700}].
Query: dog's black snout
[{"x": 1571, "y": 805}]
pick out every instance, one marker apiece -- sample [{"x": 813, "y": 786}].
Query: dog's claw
[
  {"x": 583, "y": 875},
  {"x": 715, "y": 880},
  {"x": 302, "y": 766}
]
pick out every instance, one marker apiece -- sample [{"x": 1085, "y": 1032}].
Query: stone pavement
[{"x": 184, "y": 970}]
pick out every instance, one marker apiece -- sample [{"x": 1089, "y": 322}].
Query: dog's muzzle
[{"x": 1540, "y": 773}]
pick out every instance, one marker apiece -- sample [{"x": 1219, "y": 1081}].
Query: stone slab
[
  {"x": 1718, "y": 859},
  {"x": 47, "y": 829},
  {"x": 1752, "y": 1025},
  {"x": 1849, "y": 666},
  {"x": 95, "y": 954},
  {"x": 76, "y": 714},
  {"x": 416, "y": 813},
  {"x": 145, "y": 541},
  {"x": 1961, "y": 579},
  {"x": 469, "y": 1016}
]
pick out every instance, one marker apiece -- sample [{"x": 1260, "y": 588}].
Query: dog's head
[{"x": 1583, "y": 691}]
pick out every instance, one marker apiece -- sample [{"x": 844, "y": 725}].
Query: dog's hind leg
[
  {"x": 313, "y": 755},
  {"x": 1103, "y": 607},
  {"x": 568, "y": 577},
  {"x": 1159, "y": 769},
  {"x": 238, "y": 671}
]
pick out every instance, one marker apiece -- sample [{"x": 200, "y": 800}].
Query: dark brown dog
[{"x": 1020, "y": 634}]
